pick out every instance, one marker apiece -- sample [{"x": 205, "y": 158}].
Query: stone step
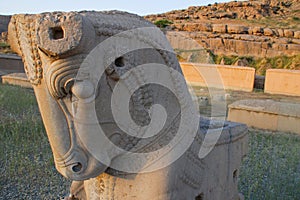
[{"x": 19, "y": 79}]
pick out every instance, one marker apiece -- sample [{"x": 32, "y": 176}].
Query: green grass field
[
  {"x": 272, "y": 167},
  {"x": 26, "y": 164},
  {"x": 271, "y": 170}
]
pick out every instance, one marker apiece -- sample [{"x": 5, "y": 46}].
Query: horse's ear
[{"x": 13, "y": 36}]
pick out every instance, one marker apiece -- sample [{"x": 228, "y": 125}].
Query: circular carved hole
[
  {"x": 119, "y": 62},
  {"x": 57, "y": 33},
  {"x": 77, "y": 167}
]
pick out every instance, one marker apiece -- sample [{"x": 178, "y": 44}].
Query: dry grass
[{"x": 271, "y": 170}]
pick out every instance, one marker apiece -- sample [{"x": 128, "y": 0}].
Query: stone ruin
[{"x": 75, "y": 94}]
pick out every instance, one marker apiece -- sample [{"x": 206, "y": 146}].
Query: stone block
[
  {"x": 219, "y": 28},
  {"x": 280, "y": 32},
  {"x": 219, "y": 76},
  {"x": 232, "y": 144},
  {"x": 273, "y": 53},
  {"x": 296, "y": 41},
  {"x": 216, "y": 42},
  {"x": 294, "y": 47},
  {"x": 181, "y": 40},
  {"x": 257, "y": 30},
  {"x": 237, "y": 29},
  {"x": 205, "y": 27},
  {"x": 288, "y": 33},
  {"x": 297, "y": 34},
  {"x": 250, "y": 30},
  {"x": 190, "y": 27},
  {"x": 283, "y": 81},
  {"x": 275, "y": 31},
  {"x": 268, "y": 32},
  {"x": 280, "y": 116},
  {"x": 19, "y": 79}
]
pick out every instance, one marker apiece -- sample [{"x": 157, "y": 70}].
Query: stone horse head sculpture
[{"x": 105, "y": 82}]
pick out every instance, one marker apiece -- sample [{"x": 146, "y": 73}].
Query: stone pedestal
[{"x": 213, "y": 177}]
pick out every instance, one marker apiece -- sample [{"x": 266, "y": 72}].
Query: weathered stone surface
[
  {"x": 261, "y": 43},
  {"x": 279, "y": 47},
  {"x": 282, "y": 81},
  {"x": 219, "y": 15},
  {"x": 296, "y": 41},
  {"x": 18, "y": 79},
  {"x": 275, "y": 31},
  {"x": 192, "y": 27},
  {"x": 294, "y": 47},
  {"x": 280, "y": 32},
  {"x": 216, "y": 42},
  {"x": 297, "y": 34},
  {"x": 288, "y": 33},
  {"x": 233, "y": 78},
  {"x": 205, "y": 27},
  {"x": 281, "y": 116},
  {"x": 219, "y": 28},
  {"x": 232, "y": 10},
  {"x": 268, "y": 32},
  {"x": 76, "y": 61},
  {"x": 257, "y": 30},
  {"x": 236, "y": 29}
]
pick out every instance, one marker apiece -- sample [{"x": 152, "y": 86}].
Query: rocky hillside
[
  {"x": 259, "y": 33},
  {"x": 259, "y": 29},
  {"x": 249, "y": 10}
]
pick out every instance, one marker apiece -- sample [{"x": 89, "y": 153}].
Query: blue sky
[{"x": 141, "y": 7}]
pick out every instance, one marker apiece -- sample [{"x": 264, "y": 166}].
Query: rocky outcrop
[
  {"x": 231, "y": 39},
  {"x": 235, "y": 28},
  {"x": 253, "y": 9}
]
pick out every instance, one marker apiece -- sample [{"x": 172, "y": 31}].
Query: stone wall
[
  {"x": 228, "y": 39},
  {"x": 219, "y": 76},
  {"x": 282, "y": 81},
  {"x": 256, "y": 28},
  {"x": 280, "y": 116},
  {"x": 19, "y": 79}
]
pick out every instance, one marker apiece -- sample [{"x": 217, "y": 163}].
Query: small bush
[
  {"x": 163, "y": 23},
  {"x": 3, "y": 44},
  {"x": 296, "y": 18}
]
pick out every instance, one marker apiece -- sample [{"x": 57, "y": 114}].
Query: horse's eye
[{"x": 119, "y": 62}]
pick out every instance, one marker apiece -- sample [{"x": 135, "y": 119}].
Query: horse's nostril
[{"x": 77, "y": 168}]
